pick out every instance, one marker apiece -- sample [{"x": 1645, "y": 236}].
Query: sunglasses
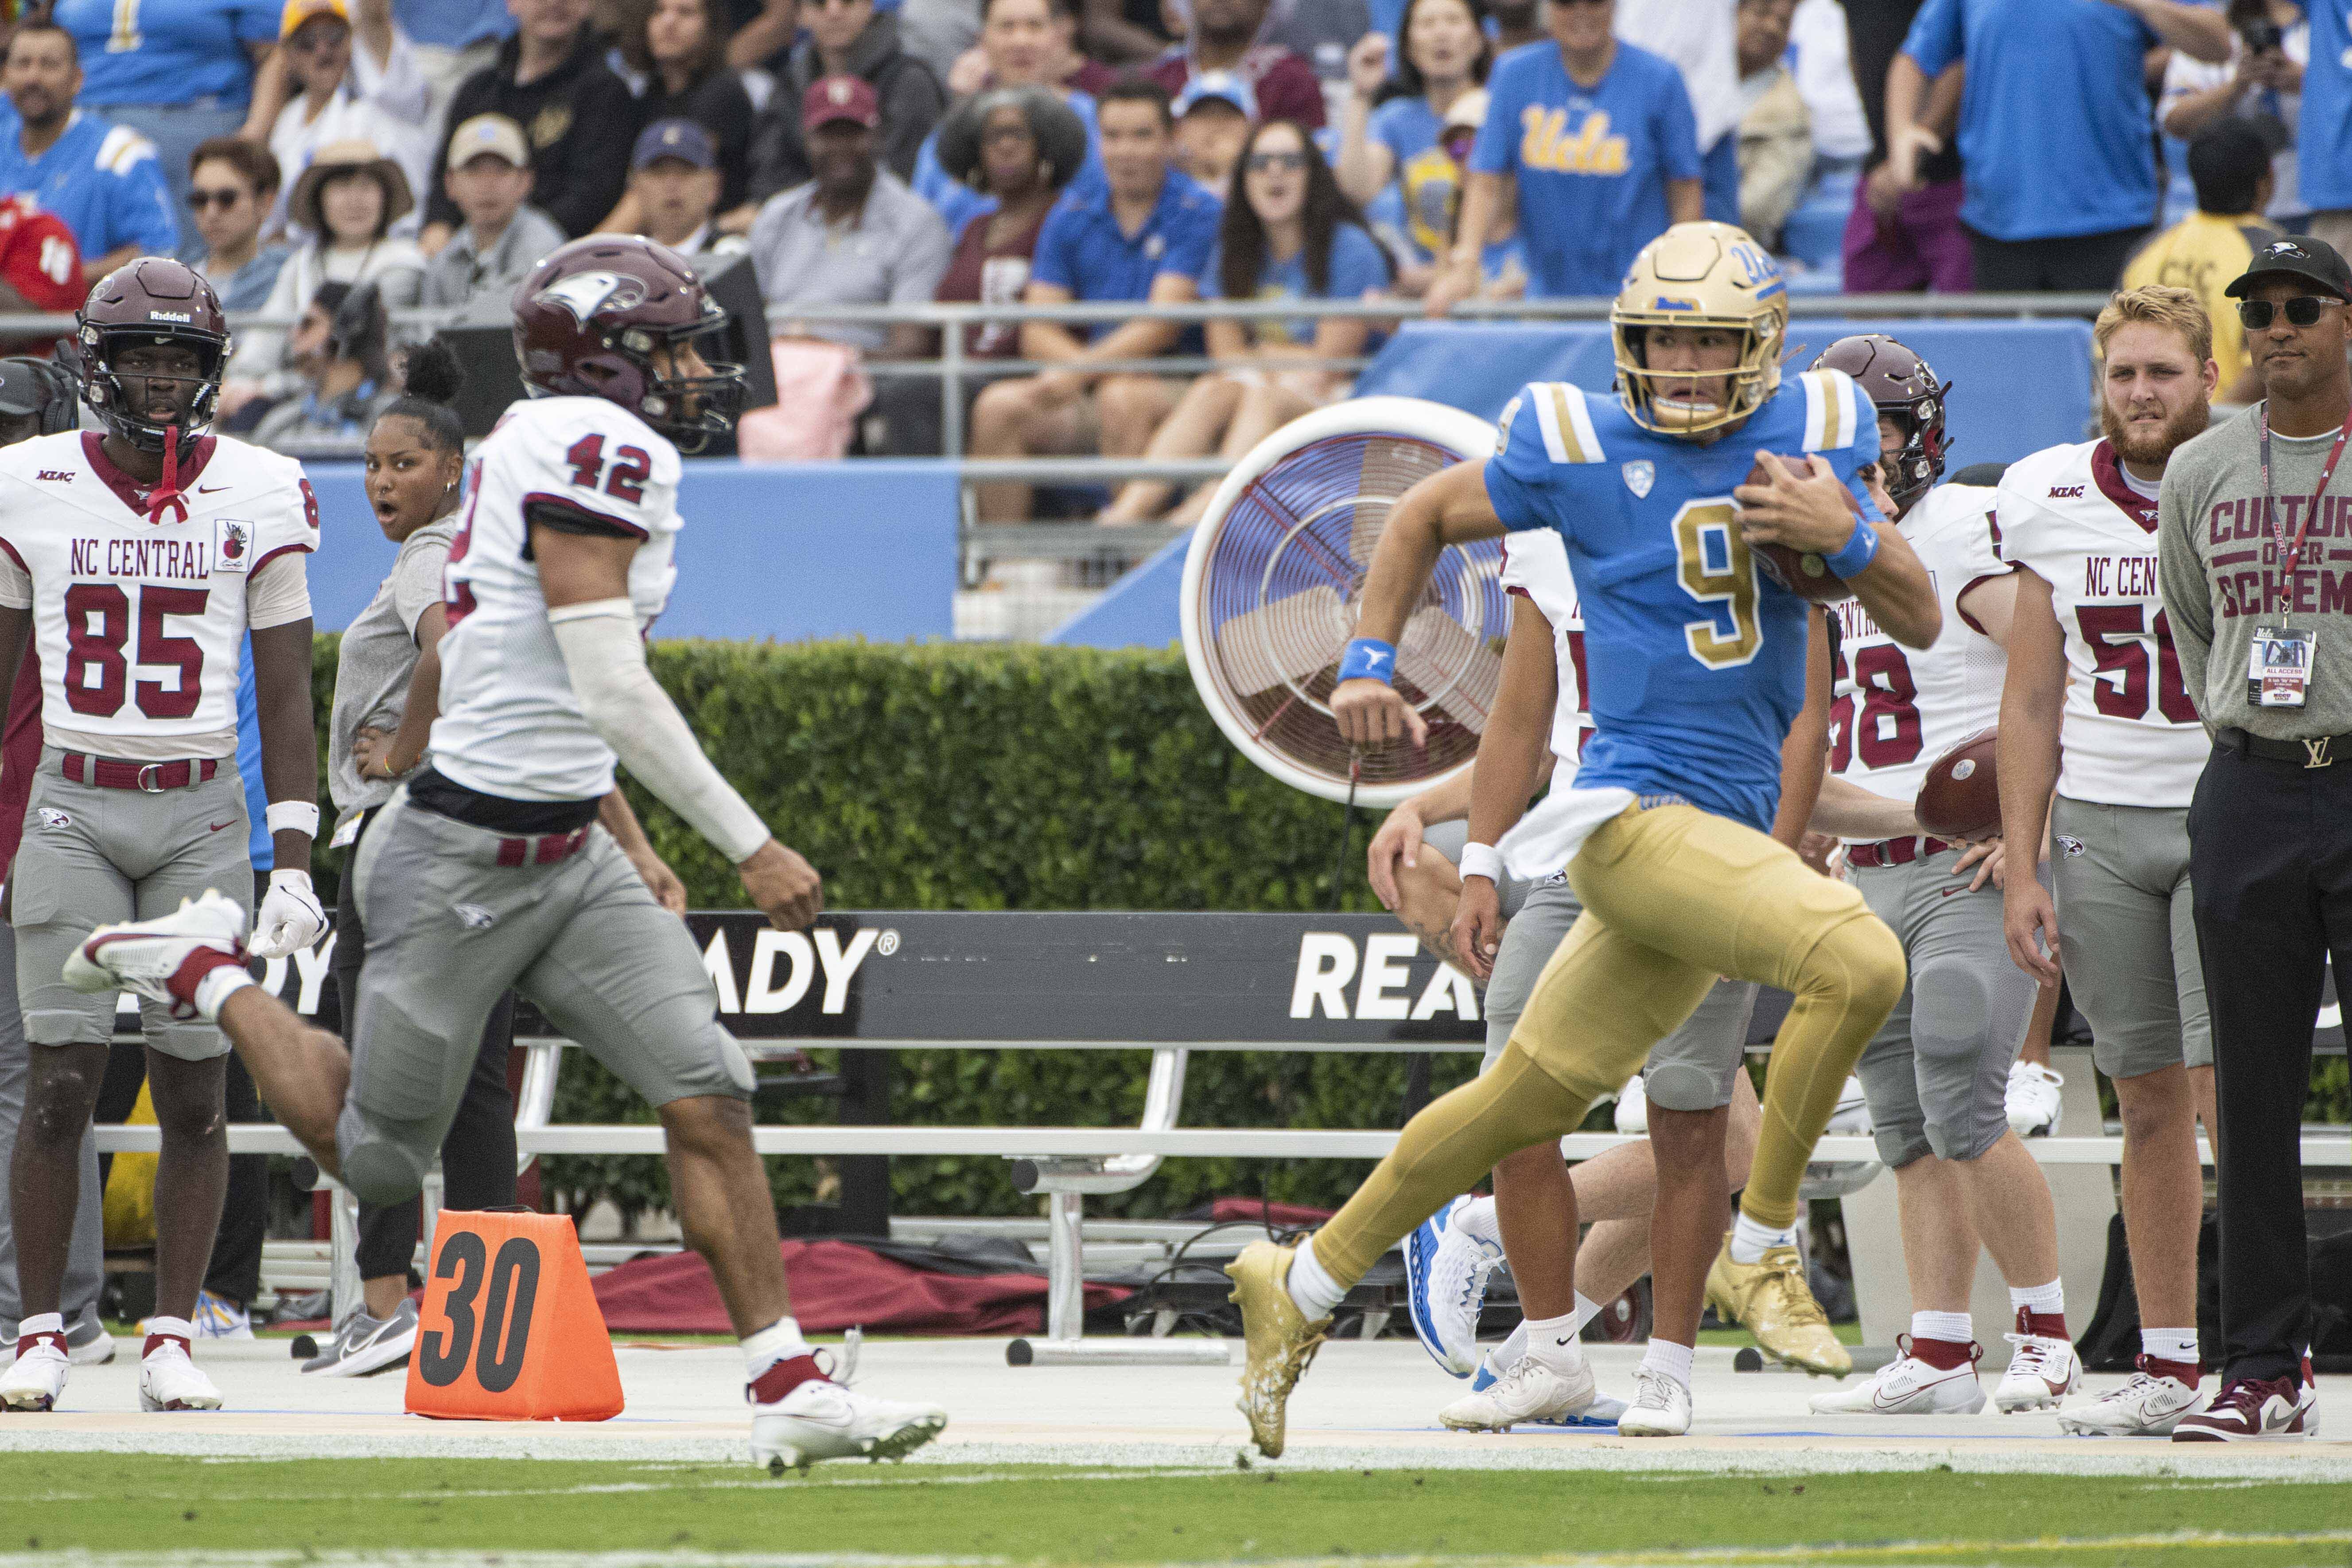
[
  {"x": 2302, "y": 311},
  {"x": 1259, "y": 162},
  {"x": 199, "y": 200}
]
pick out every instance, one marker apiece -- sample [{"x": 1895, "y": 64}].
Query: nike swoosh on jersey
[
  {"x": 210, "y": 490},
  {"x": 216, "y": 827}
]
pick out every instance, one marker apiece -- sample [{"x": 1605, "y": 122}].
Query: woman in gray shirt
[{"x": 387, "y": 681}]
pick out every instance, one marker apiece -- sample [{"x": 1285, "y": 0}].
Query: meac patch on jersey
[
  {"x": 510, "y": 724},
  {"x": 1896, "y": 709},
  {"x": 140, "y": 624},
  {"x": 2130, "y": 734},
  {"x": 1534, "y": 567},
  {"x": 1695, "y": 659}
]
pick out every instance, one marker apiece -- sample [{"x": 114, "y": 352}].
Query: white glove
[{"x": 290, "y": 916}]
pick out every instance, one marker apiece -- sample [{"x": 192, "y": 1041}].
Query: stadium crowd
[{"x": 329, "y": 161}]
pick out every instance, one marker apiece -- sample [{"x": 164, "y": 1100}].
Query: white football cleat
[
  {"x": 2041, "y": 1371},
  {"x": 168, "y": 1380},
  {"x": 2032, "y": 1098},
  {"x": 821, "y": 1420},
  {"x": 1531, "y": 1391},
  {"x": 1632, "y": 1108},
  {"x": 2145, "y": 1407},
  {"x": 143, "y": 956},
  {"x": 1448, "y": 1259},
  {"x": 1909, "y": 1386},
  {"x": 35, "y": 1380},
  {"x": 1661, "y": 1408}
]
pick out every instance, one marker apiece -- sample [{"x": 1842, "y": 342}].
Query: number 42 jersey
[
  {"x": 510, "y": 724},
  {"x": 2131, "y": 736}
]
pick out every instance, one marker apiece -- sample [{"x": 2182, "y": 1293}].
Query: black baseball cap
[{"x": 2301, "y": 257}]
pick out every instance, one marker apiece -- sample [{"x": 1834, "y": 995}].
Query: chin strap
[{"x": 166, "y": 493}]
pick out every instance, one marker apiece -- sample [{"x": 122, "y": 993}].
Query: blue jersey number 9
[{"x": 1718, "y": 571}]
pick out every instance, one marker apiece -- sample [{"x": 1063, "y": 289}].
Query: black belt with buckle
[{"x": 2319, "y": 752}]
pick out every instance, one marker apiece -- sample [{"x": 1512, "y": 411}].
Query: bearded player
[
  {"x": 1936, "y": 1077},
  {"x": 2092, "y": 674},
  {"x": 487, "y": 871},
  {"x": 138, "y": 559},
  {"x": 1698, "y": 666}
]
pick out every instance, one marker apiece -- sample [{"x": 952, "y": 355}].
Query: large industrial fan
[{"x": 1271, "y": 590}]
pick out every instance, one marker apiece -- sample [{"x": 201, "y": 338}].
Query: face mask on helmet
[
  {"x": 696, "y": 389},
  {"x": 125, "y": 395}
]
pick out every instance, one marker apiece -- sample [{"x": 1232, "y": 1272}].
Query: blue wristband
[
  {"x": 1858, "y": 553},
  {"x": 1369, "y": 659}
]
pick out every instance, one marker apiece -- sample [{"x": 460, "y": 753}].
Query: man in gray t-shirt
[{"x": 2255, "y": 547}]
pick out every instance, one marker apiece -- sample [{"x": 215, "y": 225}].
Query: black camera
[{"x": 2261, "y": 35}]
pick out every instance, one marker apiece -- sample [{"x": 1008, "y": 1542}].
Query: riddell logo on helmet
[{"x": 181, "y": 316}]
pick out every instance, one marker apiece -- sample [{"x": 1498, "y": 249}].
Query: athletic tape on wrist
[
  {"x": 1483, "y": 860},
  {"x": 294, "y": 817},
  {"x": 1859, "y": 551},
  {"x": 1369, "y": 659}
]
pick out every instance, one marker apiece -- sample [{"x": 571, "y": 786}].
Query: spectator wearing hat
[
  {"x": 1214, "y": 116},
  {"x": 1225, "y": 37},
  {"x": 332, "y": 99},
  {"x": 1143, "y": 237},
  {"x": 680, "y": 48},
  {"x": 674, "y": 181},
  {"x": 2260, "y": 84},
  {"x": 489, "y": 179},
  {"x": 232, "y": 187},
  {"x": 2039, "y": 77},
  {"x": 103, "y": 180},
  {"x": 846, "y": 37},
  {"x": 580, "y": 119},
  {"x": 1776, "y": 134},
  {"x": 342, "y": 350},
  {"x": 347, "y": 200},
  {"x": 1021, "y": 46},
  {"x": 2208, "y": 249}
]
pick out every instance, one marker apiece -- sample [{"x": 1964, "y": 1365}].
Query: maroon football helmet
[
  {"x": 1899, "y": 382},
  {"x": 589, "y": 317},
  {"x": 151, "y": 301}
]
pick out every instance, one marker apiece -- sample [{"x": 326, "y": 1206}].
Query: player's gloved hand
[
  {"x": 290, "y": 916},
  {"x": 1398, "y": 841},
  {"x": 1477, "y": 929},
  {"x": 1372, "y": 713},
  {"x": 785, "y": 887}
]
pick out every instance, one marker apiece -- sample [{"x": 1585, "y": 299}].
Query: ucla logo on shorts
[{"x": 1640, "y": 475}]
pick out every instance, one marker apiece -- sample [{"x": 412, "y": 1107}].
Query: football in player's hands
[
  {"x": 1961, "y": 796},
  {"x": 1801, "y": 572}
]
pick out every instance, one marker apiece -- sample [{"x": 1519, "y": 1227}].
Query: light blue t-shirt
[
  {"x": 1592, "y": 166},
  {"x": 1357, "y": 267},
  {"x": 103, "y": 179},
  {"x": 453, "y": 24},
  {"x": 959, "y": 203},
  {"x": 2324, "y": 137},
  {"x": 168, "y": 51},
  {"x": 1083, "y": 249},
  {"x": 1404, "y": 126},
  {"x": 2055, "y": 127}
]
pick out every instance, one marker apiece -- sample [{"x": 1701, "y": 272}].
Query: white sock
[
  {"x": 2050, "y": 1297},
  {"x": 1476, "y": 1218},
  {"x": 2157, "y": 1344},
  {"x": 176, "y": 1328},
  {"x": 780, "y": 1340},
  {"x": 217, "y": 988},
  {"x": 1749, "y": 1240},
  {"x": 1553, "y": 1340},
  {"x": 1508, "y": 1354},
  {"x": 1673, "y": 1360},
  {"x": 42, "y": 1323},
  {"x": 1311, "y": 1286},
  {"x": 1952, "y": 1328}
]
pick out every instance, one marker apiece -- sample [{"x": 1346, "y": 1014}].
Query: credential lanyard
[{"x": 2291, "y": 555}]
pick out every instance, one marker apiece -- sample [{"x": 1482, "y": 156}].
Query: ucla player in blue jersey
[{"x": 1696, "y": 661}]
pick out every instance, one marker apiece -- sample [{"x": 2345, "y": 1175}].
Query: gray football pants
[{"x": 86, "y": 1254}]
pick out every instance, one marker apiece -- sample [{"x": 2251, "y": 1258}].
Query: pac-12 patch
[{"x": 1640, "y": 475}]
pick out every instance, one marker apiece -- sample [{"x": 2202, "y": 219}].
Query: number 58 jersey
[
  {"x": 2131, "y": 736},
  {"x": 510, "y": 724}
]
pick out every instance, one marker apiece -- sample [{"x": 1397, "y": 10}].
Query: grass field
[{"x": 163, "y": 1508}]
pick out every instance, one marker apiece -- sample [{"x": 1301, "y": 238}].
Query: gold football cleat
[
  {"x": 1772, "y": 1301},
  {"x": 1281, "y": 1341}
]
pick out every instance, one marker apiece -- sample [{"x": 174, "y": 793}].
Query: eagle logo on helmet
[{"x": 585, "y": 293}]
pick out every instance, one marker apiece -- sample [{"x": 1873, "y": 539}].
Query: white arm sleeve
[
  {"x": 279, "y": 594},
  {"x": 606, "y": 660}
]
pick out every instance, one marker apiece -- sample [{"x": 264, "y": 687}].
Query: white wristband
[
  {"x": 294, "y": 817},
  {"x": 1483, "y": 860}
]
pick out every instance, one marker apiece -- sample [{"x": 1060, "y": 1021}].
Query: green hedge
[{"x": 982, "y": 777}]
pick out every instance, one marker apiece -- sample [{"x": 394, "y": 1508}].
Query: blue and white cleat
[
  {"x": 1447, "y": 1262},
  {"x": 1601, "y": 1414}
]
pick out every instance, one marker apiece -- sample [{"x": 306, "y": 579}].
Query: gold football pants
[{"x": 1674, "y": 896}]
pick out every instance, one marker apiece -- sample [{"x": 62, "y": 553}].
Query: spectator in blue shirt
[
  {"x": 2324, "y": 129},
  {"x": 179, "y": 72},
  {"x": 1288, "y": 234},
  {"x": 232, "y": 186},
  {"x": 2055, "y": 131},
  {"x": 103, "y": 179},
  {"x": 1597, "y": 137},
  {"x": 1389, "y": 131},
  {"x": 1144, "y": 236}
]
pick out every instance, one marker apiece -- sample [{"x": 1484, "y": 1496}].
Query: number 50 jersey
[
  {"x": 510, "y": 724},
  {"x": 2131, "y": 736}
]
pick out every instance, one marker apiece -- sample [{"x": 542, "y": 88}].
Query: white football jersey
[
  {"x": 2131, "y": 736},
  {"x": 1897, "y": 709},
  {"x": 510, "y": 724},
  {"x": 141, "y": 626},
  {"x": 1535, "y": 565}
]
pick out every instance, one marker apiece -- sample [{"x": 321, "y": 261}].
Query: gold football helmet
[{"x": 1694, "y": 275}]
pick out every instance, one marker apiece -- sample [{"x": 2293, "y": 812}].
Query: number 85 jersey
[
  {"x": 510, "y": 724},
  {"x": 2130, "y": 734}
]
